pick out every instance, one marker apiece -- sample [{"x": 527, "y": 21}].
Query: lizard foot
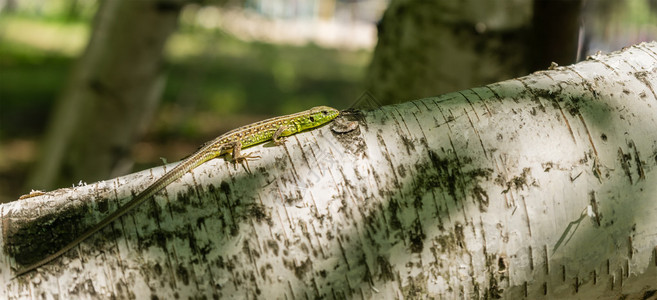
[{"x": 245, "y": 160}]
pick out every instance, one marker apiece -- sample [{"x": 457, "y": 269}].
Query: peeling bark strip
[{"x": 485, "y": 193}]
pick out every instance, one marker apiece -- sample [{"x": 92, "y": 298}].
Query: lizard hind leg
[{"x": 239, "y": 157}]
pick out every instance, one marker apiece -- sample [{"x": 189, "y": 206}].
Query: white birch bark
[{"x": 538, "y": 187}]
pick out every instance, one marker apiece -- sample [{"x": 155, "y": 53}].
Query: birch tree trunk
[{"x": 538, "y": 187}]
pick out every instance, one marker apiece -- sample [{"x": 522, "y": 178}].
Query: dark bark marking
[
  {"x": 260, "y": 213},
  {"x": 625, "y": 163},
  {"x": 531, "y": 258},
  {"x": 481, "y": 142},
  {"x": 637, "y": 160},
  {"x": 565, "y": 119},
  {"x": 594, "y": 207},
  {"x": 416, "y": 237},
  {"x": 595, "y": 151},
  {"x": 301, "y": 269},
  {"x": 385, "y": 269},
  {"x": 386, "y": 155},
  {"x": 470, "y": 104},
  {"x": 643, "y": 77},
  {"x": 545, "y": 260},
  {"x": 563, "y": 273},
  {"x": 482, "y": 198}
]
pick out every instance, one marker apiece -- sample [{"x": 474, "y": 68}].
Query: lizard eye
[
  {"x": 325, "y": 112},
  {"x": 312, "y": 119}
]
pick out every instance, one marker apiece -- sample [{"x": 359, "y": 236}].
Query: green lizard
[{"x": 232, "y": 141}]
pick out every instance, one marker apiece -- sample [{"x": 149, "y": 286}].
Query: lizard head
[{"x": 317, "y": 116}]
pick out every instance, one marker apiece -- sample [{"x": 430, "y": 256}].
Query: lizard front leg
[{"x": 278, "y": 140}]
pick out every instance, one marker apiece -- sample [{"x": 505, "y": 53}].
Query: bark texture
[
  {"x": 540, "y": 187},
  {"x": 111, "y": 95}
]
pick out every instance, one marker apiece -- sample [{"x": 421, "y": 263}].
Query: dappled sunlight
[
  {"x": 501, "y": 196},
  {"x": 62, "y": 38},
  {"x": 536, "y": 187}
]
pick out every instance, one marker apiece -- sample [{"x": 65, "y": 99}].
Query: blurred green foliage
[
  {"x": 30, "y": 78},
  {"x": 208, "y": 71}
]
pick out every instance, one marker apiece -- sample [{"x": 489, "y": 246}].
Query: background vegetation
[{"x": 215, "y": 82}]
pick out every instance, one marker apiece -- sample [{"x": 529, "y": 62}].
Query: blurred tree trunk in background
[
  {"x": 430, "y": 48},
  {"x": 556, "y": 29},
  {"x": 73, "y": 11},
  {"x": 110, "y": 96},
  {"x": 10, "y": 6}
]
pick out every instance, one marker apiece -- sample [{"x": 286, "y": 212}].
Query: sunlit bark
[{"x": 538, "y": 187}]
